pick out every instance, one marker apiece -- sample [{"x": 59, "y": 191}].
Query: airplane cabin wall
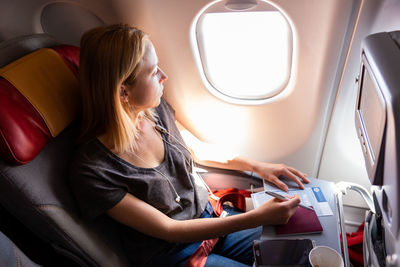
[
  {"x": 65, "y": 20},
  {"x": 288, "y": 128}
]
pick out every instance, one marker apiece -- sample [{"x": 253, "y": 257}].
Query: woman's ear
[{"x": 123, "y": 94}]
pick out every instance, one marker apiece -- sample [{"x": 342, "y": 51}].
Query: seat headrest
[{"x": 39, "y": 98}]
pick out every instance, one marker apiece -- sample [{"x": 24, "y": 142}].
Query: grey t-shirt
[{"x": 100, "y": 179}]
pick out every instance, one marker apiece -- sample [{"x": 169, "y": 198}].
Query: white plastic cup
[{"x": 323, "y": 256}]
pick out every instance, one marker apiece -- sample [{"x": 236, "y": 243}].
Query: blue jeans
[{"x": 231, "y": 250}]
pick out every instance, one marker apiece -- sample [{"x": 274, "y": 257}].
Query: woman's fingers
[
  {"x": 301, "y": 175},
  {"x": 281, "y": 185},
  {"x": 272, "y": 173},
  {"x": 292, "y": 177},
  {"x": 295, "y": 200}
]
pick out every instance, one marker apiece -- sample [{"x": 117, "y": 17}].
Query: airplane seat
[
  {"x": 22, "y": 45},
  {"x": 38, "y": 128},
  {"x": 377, "y": 121}
]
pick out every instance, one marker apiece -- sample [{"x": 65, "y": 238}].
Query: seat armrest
[{"x": 217, "y": 178}]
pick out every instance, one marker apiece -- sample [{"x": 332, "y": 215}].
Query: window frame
[{"x": 200, "y": 58}]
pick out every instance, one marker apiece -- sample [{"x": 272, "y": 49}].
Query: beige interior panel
[{"x": 287, "y": 129}]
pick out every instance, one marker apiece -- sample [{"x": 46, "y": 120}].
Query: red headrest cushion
[{"x": 24, "y": 127}]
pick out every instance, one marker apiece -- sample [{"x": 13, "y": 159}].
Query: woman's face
[{"x": 148, "y": 88}]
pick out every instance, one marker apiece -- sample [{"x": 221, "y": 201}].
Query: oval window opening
[{"x": 244, "y": 55}]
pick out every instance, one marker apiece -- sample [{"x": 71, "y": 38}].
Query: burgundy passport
[{"x": 303, "y": 221}]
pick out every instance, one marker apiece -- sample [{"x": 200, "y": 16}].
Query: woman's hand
[
  {"x": 271, "y": 172},
  {"x": 276, "y": 211}
]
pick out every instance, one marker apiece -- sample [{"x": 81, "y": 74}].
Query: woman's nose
[{"x": 163, "y": 76}]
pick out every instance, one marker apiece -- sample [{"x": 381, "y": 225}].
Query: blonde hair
[{"x": 109, "y": 57}]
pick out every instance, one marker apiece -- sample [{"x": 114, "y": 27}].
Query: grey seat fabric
[
  {"x": 395, "y": 35},
  {"x": 11, "y": 255},
  {"x": 38, "y": 194}
]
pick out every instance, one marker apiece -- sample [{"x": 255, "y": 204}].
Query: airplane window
[{"x": 244, "y": 55}]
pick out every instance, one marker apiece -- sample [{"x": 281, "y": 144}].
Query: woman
[{"x": 134, "y": 167}]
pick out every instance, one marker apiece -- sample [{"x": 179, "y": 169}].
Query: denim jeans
[{"x": 234, "y": 249}]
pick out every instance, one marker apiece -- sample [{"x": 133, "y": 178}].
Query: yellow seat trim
[{"x": 48, "y": 84}]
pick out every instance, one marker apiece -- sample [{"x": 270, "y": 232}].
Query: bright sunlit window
[{"x": 245, "y": 55}]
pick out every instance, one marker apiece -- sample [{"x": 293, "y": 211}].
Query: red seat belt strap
[{"x": 199, "y": 257}]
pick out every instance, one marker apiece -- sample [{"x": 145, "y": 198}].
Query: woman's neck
[{"x": 140, "y": 120}]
